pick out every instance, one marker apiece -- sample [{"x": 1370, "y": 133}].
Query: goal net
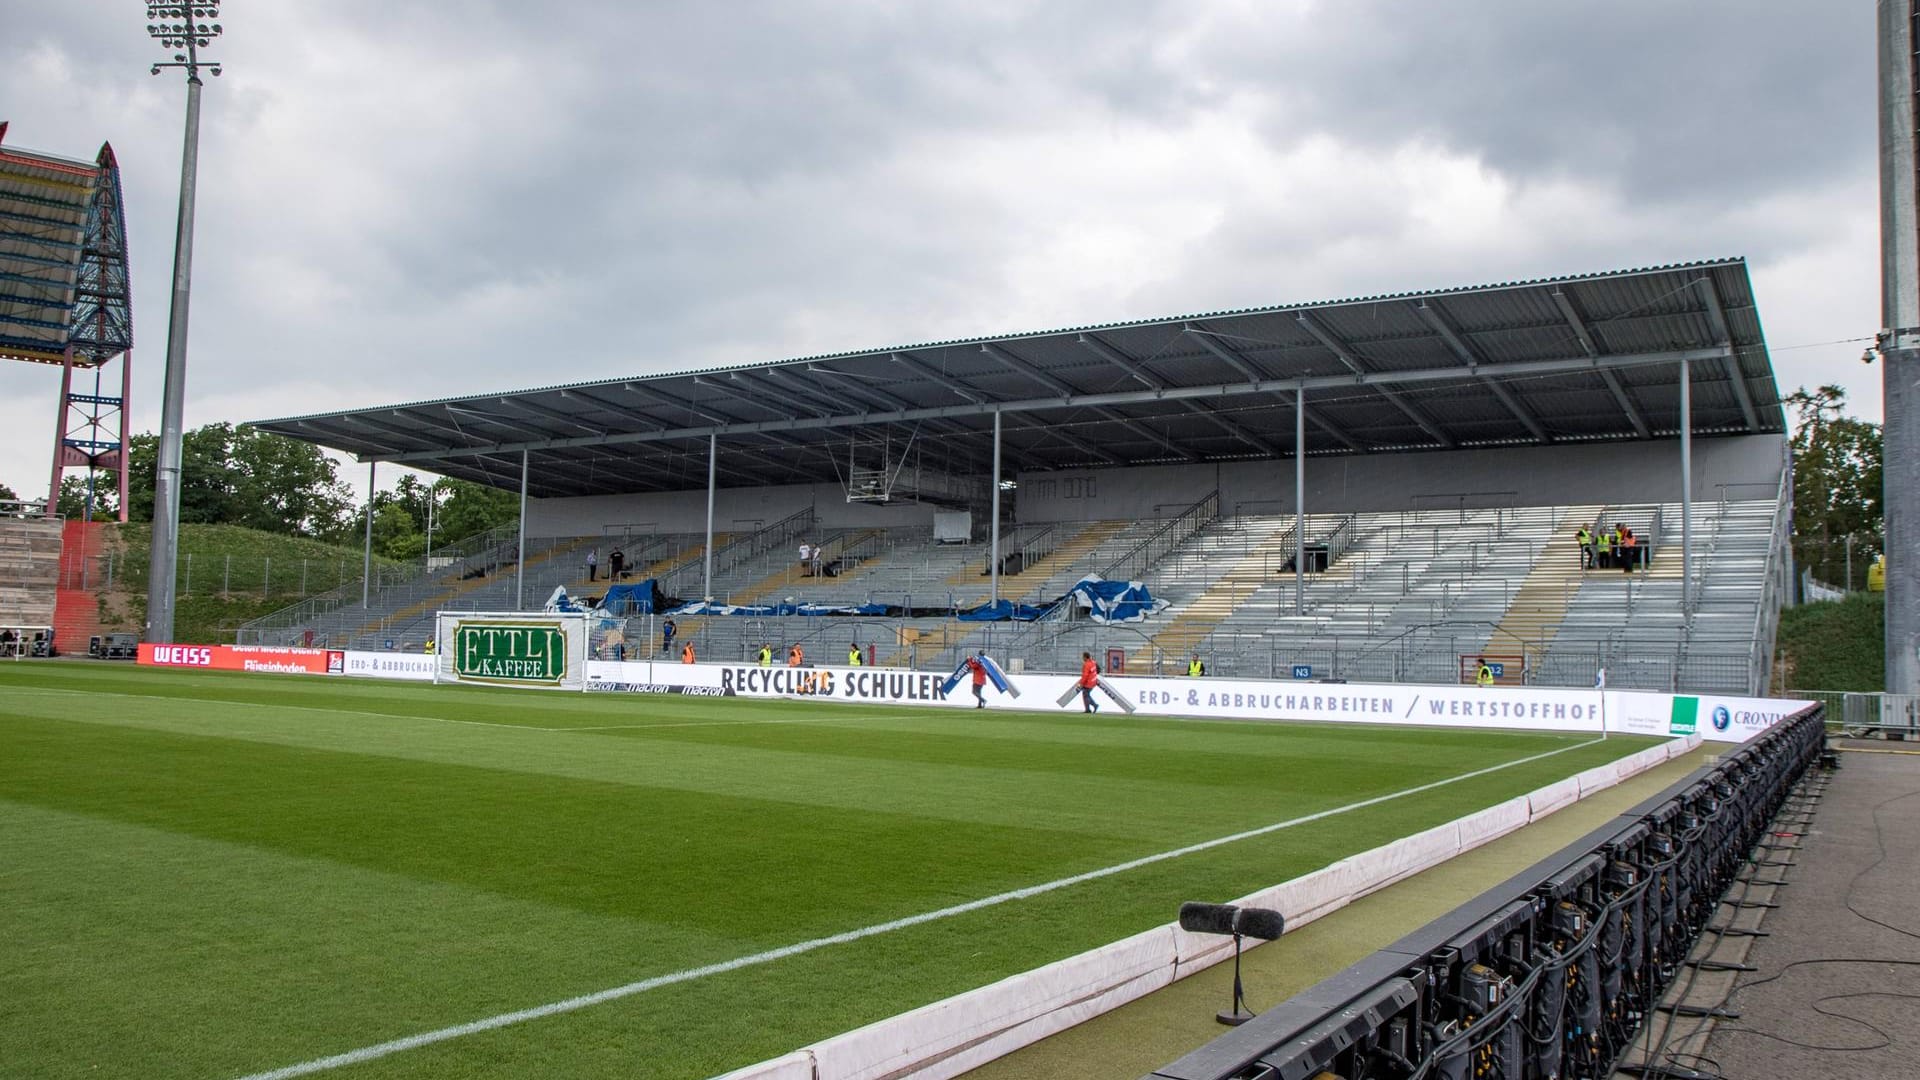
[{"x": 529, "y": 650}]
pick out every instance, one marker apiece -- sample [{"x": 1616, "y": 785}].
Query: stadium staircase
[
  {"x": 1539, "y": 606},
  {"x": 1271, "y": 553},
  {"x": 76, "y": 615},
  {"x": 31, "y": 560}
]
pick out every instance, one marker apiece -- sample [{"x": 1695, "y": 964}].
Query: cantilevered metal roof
[
  {"x": 63, "y": 259},
  {"x": 1572, "y": 359}
]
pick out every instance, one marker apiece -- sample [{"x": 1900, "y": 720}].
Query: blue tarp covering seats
[
  {"x": 635, "y": 599},
  {"x": 1005, "y": 611},
  {"x": 1115, "y": 601}
]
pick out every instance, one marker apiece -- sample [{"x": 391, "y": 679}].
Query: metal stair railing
[
  {"x": 728, "y": 556},
  {"x": 487, "y": 549},
  {"x": 1135, "y": 562}
]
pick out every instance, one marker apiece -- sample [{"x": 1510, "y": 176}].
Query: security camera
[{"x": 1866, "y": 356}]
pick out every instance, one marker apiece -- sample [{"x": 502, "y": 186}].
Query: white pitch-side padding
[
  {"x": 1493, "y": 823},
  {"x": 1401, "y": 859},
  {"x": 949, "y": 1037},
  {"x": 795, "y": 1066},
  {"x": 1681, "y": 747},
  {"x": 1555, "y": 796},
  {"x": 1598, "y": 778}
]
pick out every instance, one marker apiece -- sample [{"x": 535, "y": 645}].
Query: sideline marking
[
  {"x": 572, "y": 1004},
  {"x": 451, "y": 720}
]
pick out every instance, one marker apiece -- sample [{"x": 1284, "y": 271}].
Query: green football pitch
[{"x": 224, "y": 876}]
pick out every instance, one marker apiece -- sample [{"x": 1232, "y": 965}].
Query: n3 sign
[{"x": 1303, "y": 671}]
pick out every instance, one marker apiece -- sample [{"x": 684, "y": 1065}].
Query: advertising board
[
  {"x": 1427, "y": 706},
  {"x": 417, "y": 667},
  {"x": 523, "y": 650},
  {"x": 1713, "y": 717},
  {"x": 266, "y": 659}
]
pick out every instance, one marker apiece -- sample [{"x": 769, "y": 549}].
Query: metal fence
[
  {"x": 1892, "y": 716},
  {"x": 202, "y": 574}
]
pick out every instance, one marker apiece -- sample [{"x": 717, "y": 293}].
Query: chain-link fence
[{"x": 202, "y": 574}]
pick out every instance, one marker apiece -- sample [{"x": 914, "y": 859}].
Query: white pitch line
[
  {"x": 444, "y": 719},
  {"x": 572, "y": 1004}
]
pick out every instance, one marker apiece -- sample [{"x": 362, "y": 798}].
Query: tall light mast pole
[{"x": 182, "y": 27}]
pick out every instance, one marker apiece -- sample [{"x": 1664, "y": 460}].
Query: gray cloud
[{"x": 406, "y": 200}]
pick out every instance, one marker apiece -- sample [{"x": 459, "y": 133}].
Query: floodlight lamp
[
  {"x": 216, "y": 69},
  {"x": 180, "y": 57}
]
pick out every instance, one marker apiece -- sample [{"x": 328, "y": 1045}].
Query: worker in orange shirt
[
  {"x": 794, "y": 656},
  {"x": 686, "y": 653},
  {"x": 978, "y": 665},
  {"x": 1089, "y": 678}
]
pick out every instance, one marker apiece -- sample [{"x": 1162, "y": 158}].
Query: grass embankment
[
  {"x": 212, "y": 875},
  {"x": 227, "y": 575},
  {"x": 1835, "y": 644}
]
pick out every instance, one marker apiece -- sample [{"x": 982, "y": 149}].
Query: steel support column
[
  {"x": 713, "y": 471},
  {"x": 993, "y": 543},
  {"x": 166, "y": 481},
  {"x": 520, "y": 545},
  {"x": 1300, "y": 504},
  {"x": 60, "y": 434},
  {"x": 366, "y": 555},
  {"x": 1900, "y": 344},
  {"x": 126, "y": 427},
  {"x": 1686, "y": 489}
]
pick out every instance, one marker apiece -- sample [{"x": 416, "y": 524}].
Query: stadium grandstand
[
  {"x": 1387, "y": 488},
  {"x": 64, "y": 302}
]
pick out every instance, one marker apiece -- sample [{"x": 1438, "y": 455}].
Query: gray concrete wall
[
  {"x": 734, "y": 510},
  {"x": 1630, "y": 472}
]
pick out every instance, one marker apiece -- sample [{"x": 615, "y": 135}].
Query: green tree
[
  {"x": 7, "y": 493},
  {"x": 245, "y": 476},
  {"x": 73, "y": 496},
  {"x": 1836, "y": 484}
]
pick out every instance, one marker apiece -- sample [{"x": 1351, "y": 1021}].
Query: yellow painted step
[
  {"x": 1221, "y": 598},
  {"x": 1539, "y": 606}
]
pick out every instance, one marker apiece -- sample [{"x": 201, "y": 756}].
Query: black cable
[{"x": 1879, "y": 842}]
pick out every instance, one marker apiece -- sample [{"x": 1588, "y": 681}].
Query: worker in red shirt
[
  {"x": 978, "y": 665},
  {"x": 1089, "y": 678}
]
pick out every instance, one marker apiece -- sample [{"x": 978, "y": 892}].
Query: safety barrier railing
[
  {"x": 1163, "y": 541},
  {"x": 1553, "y": 972}
]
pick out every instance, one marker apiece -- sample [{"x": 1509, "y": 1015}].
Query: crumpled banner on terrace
[{"x": 1115, "y": 601}]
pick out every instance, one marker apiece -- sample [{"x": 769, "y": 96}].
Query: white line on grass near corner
[{"x": 572, "y": 1004}]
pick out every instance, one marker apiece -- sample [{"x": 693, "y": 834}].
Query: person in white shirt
[{"x": 806, "y": 559}]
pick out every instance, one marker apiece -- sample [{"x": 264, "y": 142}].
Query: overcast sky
[{"x": 404, "y": 200}]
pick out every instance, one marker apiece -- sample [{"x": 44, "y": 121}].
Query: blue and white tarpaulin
[
  {"x": 1115, "y": 601},
  {"x": 700, "y": 607},
  {"x": 1005, "y": 611}
]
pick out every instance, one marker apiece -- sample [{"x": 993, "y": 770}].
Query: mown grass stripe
[{"x": 491, "y": 1023}]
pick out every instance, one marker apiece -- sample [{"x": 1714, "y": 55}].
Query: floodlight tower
[{"x": 180, "y": 27}]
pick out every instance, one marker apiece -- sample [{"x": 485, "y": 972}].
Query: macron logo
[{"x": 183, "y": 655}]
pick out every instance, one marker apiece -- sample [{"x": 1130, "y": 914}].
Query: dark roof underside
[
  {"x": 63, "y": 260},
  {"x": 1578, "y": 359}
]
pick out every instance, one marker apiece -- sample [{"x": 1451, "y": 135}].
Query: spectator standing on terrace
[
  {"x": 978, "y": 665},
  {"x": 806, "y": 559},
  {"x": 1629, "y": 548},
  {"x": 616, "y": 564},
  {"x": 1089, "y": 678},
  {"x": 667, "y": 630},
  {"x": 593, "y": 563}
]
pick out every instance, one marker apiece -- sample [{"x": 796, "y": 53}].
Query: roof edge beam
[
  {"x": 1723, "y": 336},
  {"x": 1376, "y": 379},
  {"x": 1444, "y": 327}
]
